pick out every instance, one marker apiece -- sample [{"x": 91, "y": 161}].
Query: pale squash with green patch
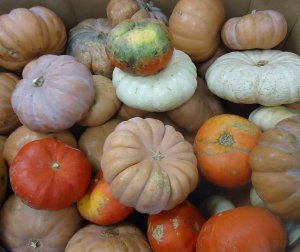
[{"x": 141, "y": 47}]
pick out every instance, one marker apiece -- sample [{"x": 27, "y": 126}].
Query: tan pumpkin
[
  {"x": 106, "y": 103},
  {"x": 195, "y": 26},
  {"x": 23, "y": 228},
  {"x": 91, "y": 142},
  {"x": 203, "y": 66},
  {"x": 149, "y": 165},
  {"x": 55, "y": 93},
  {"x": 275, "y": 168},
  {"x": 23, "y": 135},
  {"x": 192, "y": 114},
  {"x": 86, "y": 42},
  {"x": 120, "y": 10},
  {"x": 258, "y": 30},
  {"x": 29, "y": 33},
  {"x": 8, "y": 118},
  {"x": 116, "y": 238},
  {"x": 126, "y": 112}
]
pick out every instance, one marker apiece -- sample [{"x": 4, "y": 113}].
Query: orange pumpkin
[
  {"x": 222, "y": 146},
  {"x": 175, "y": 230},
  {"x": 242, "y": 229},
  {"x": 99, "y": 206},
  {"x": 29, "y": 33},
  {"x": 195, "y": 27},
  {"x": 8, "y": 118}
]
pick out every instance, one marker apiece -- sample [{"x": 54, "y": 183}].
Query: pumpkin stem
[
  {"x": 56, "y": 166},
  {"x": 34, "y": 243},
  {"x": 262, "y": 63},
  {"x": 157, "y": 155},
  {"x": 253, "y": 12},
  {"x": 38, "y": 82},
  {"x": 226, "y": 139},
  {"x": 146, "y": 6}
]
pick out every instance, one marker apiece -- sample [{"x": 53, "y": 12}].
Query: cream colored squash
[
  {"x": 268, "y": 117},
  {"x": 267, "y": 77},
  {"x": 166, "y": 90}
]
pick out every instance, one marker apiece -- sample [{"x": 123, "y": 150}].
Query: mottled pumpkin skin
[
  {"x": 222, "y": 146},
  {"x": 143, "y": 47}
]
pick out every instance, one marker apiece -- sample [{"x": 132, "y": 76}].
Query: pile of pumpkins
[{"x": 111, "y": 129}]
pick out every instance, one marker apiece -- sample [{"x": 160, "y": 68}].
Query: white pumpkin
[
  {"x": 268, "y": 117},
  {"x": 166, "y": 90},
  {"x": 266, "y": 77}
]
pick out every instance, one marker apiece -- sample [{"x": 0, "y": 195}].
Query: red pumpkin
[
  {"x": 140, "y": 47},
  {"x": 242, "y": 229},
  {"x": 175, "y": 230},
  {"x": 99, "y": 206},
  {"x": 49, "y": 174}
]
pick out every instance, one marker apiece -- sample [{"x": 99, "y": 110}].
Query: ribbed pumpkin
[
  {"x": 275, "y": 168},
  {"x": 116, "y": 238},
  {"x": 120, "y": 10},
  {"x": 22, "y": 135},
  {"x": 91, "y": 142},
  {"x": 29, "y": 33},
  {"x": 23, "y": 228},
  {"x": 149, "y": 165},
  {"x": 86, "y": 42},
  {"x": 195, "y": 27},
  {"x": 8, "y": 118},
  {"x": 192, "y": 114},
  {"x": 106, "y": 103},
  {"x": 55, "y": 93},
  {"x": 258, "y": 30}
]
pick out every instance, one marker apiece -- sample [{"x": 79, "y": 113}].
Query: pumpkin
[
  {"x": 149, "y": 165},
  {"x": 126, "y": 112},
  {"x": 55, "y": 93},
  {"x": 36, "y": 31},
  {"x": 267, "y": 77},
  {"x": 118, "y": 11},
  {"x": 195, "y": 26},
  {"x": 193, "y": 113},
  {"x": 292, "y": 228},
  {"x": 166, "y": 90},
  {"x": 99, "y": 206},
  {"x": 8, "y": 119},
  {"x": 275, "y": 164},
  {"x": 106, "y": 103},
  {"x": 116, "y": 238},
  {"x": 294, "y": 106},
  {"x": 86, "y": 42},
  {"x": 91, "y": 142},
  {"x": 222, "y": 146},
  {"x": 242, "y": 229},
  {"x": 22, "y": 135},
  {"x": 263, "y": 29},
  {"x": 3, "y": 179},
  {"x": 23, "y": 228},
  {"x": 2, "y": 141},
  {"x": 268, "y": 117},
  {"x": 176, "y": 229},
  {"x": 49, "y": 174},
  {"x": 203, "y": 66},
  {"x": 141, "y": 47}
]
